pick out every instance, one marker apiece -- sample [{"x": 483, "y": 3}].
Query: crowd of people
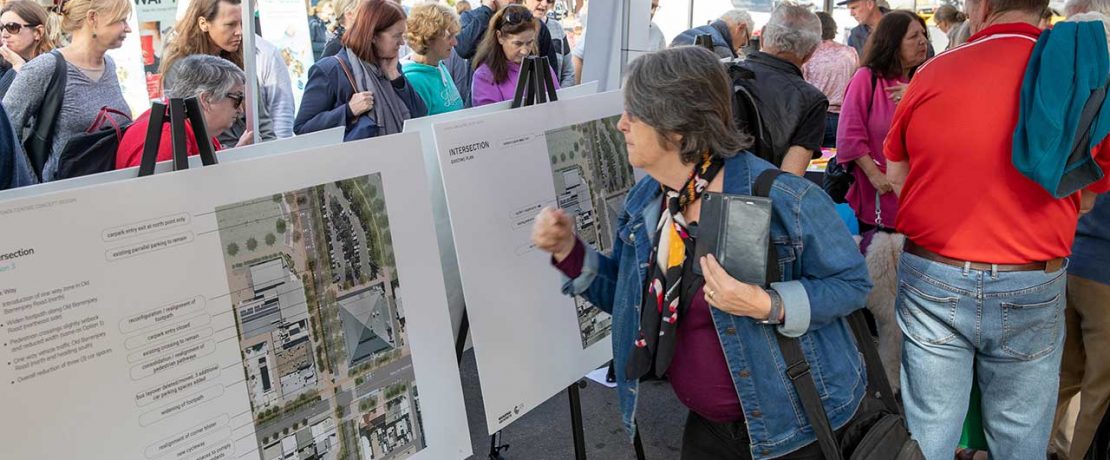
[{"x": 992, "y": 260}]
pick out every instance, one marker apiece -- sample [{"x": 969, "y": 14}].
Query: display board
[
  {"x": 284, "y": 24},
  {"x": 156, "y": 21},
  {"x": 499, "y": 171},
  {"x": 424, "y": 126},
  {"x": 284, "y": 307},
  {"x": 130, "y": 71}
]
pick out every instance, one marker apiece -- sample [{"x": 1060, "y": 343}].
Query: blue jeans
[{"x": 1008, "y": 325}]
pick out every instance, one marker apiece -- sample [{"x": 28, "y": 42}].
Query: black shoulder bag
[
  {"x": 838, "y": 176},
  {"x": 39, "y": 141},
  {"x": 878, "y": 434}
]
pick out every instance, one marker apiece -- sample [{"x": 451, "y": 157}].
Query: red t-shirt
[
  {"x": 130, "y": 152},
  {"x": 963, "y": 198}
]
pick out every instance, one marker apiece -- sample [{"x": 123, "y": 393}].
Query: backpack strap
[{"x": 797, "y": 368}]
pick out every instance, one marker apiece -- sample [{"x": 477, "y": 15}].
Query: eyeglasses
[
  {"x": 14, "y": 27},
  {"x": 237, "y": 98},
  {"x": 517, "y": 17}
]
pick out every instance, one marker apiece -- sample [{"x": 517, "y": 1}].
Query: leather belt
[{"x": 1050, "y": 266}]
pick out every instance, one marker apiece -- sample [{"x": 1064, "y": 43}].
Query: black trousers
[{"x": 707, "y": 440}]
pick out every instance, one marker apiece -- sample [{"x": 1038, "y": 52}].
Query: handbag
[
  {"x": 363, "y": 127},
  {"x": 838, "y": 176},
  {"x": 39, "y": 140},
  {"x": 736, "y": 229},
  {"x": 878, "y": 430},
  {"x": 95, "y": 150}
]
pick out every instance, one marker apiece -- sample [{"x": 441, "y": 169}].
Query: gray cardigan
[{"x": 82, "y": 101}]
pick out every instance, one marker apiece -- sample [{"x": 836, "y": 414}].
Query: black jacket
[
  {"x": 792, "y": 110},
  {"x": 474, "y": 25}
]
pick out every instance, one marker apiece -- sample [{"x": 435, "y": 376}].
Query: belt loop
[
  {"x": 994, "y": 271},
  {"x": 967, "y": 268}
]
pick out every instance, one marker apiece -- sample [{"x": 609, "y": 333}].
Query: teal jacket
[
  {"x": 434, "y": 85},
  {"x": 1068, "y": 66}
]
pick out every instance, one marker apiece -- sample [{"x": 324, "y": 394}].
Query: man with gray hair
[
  {"x": 791, "y": 111},
  {"x": 217, "y": 84},
  {"x": 730, "y": 33}
]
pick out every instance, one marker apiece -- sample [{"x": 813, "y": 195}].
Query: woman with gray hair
[
  {"x": 216, "y": 83},
  {"x": 685, "y": 318}
]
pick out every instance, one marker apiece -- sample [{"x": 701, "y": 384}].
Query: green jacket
[{"x": 434, "y": 85}]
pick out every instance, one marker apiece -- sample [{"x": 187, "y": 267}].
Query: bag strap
[
  {"x": 55, "y": 92},
  {"x": 797, "y": 368},
  {"x": 763, "y": 184},
  {"x": 347, "y": 71},
  {"x": 876, "y": 378}
]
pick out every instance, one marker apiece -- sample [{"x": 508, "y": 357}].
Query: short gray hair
[
  {"x": 739, "y": 15},
  {"x": 202, "y": 74},
  {"x": 685, "y": 90},
  {"x": 793, "y": 29}
]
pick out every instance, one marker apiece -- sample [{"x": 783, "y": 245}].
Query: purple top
[
  {"x": 861, "y": 134},
  {"x": 698, "y": 373},
  {"x": 485, "y": 91}
]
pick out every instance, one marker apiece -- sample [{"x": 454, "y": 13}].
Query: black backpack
[
  {"x": 745, "y": 112},
  {"x": 38, "y": 142}
]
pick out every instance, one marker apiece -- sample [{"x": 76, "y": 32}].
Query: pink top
[
  {"x": 483, "y": 90},
  {"x": 864, "y": 121},
  {"x": 830, "y": 69}
]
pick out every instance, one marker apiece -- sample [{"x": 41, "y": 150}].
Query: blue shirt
[{"x": 1090, "y": 256}]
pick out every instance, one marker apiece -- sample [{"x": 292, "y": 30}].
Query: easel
[
  {"x": 534, "y": 86},
  {"x": 179, "y": 111}
]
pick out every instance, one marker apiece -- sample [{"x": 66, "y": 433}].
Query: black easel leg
[
  {"x": 576, "y": 422},
  {"x": 495, "y": 446},
  {"x": 460, "y": 339},
  {"x": 639, "y": 445}
]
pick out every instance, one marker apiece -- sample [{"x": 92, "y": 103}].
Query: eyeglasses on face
[
  {"x": 237, "y": 99},
  {"x": 14, "y": 27}
]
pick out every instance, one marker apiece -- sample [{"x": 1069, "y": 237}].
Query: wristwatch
[{"x": 776, "y": 308}]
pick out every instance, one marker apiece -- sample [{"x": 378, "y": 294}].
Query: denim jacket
[{"x": 824, "y": 278}]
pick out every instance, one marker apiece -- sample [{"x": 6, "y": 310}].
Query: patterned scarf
[{"x": 656, "y": 341}]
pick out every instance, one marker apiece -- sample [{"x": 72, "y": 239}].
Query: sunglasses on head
[
  {"x": 517, "y": 17},
  {"x": 15, "y": 27}
]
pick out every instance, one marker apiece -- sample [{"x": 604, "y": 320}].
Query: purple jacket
[{"x": 485, "y": 91}]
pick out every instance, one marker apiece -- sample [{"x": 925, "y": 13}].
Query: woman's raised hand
[{"x": 553, "y": 232}]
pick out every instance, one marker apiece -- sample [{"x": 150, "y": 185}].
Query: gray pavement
[{"x": 544, "y": 433}]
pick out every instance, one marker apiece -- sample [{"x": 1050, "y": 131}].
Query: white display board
[
  {"x": 315, "y": 140},
  {"x": 273, "y": 308},
  {"x": 130, "y": 70},
  {"x": 424, "y": 126},
  {"x": 285, "y": 26},
  {"x": 499, "y": 171}
]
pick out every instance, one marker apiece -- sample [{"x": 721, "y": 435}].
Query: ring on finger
[{"x": 709, "y": 292}]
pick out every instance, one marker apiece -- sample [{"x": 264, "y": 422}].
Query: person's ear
[
  {"x": 38, "y": 32},
  {"x": 202, "y": 23},
  {"x": 500, "y": 38}
]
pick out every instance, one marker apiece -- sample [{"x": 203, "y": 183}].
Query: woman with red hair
[{"x": 362, "y": 87}]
